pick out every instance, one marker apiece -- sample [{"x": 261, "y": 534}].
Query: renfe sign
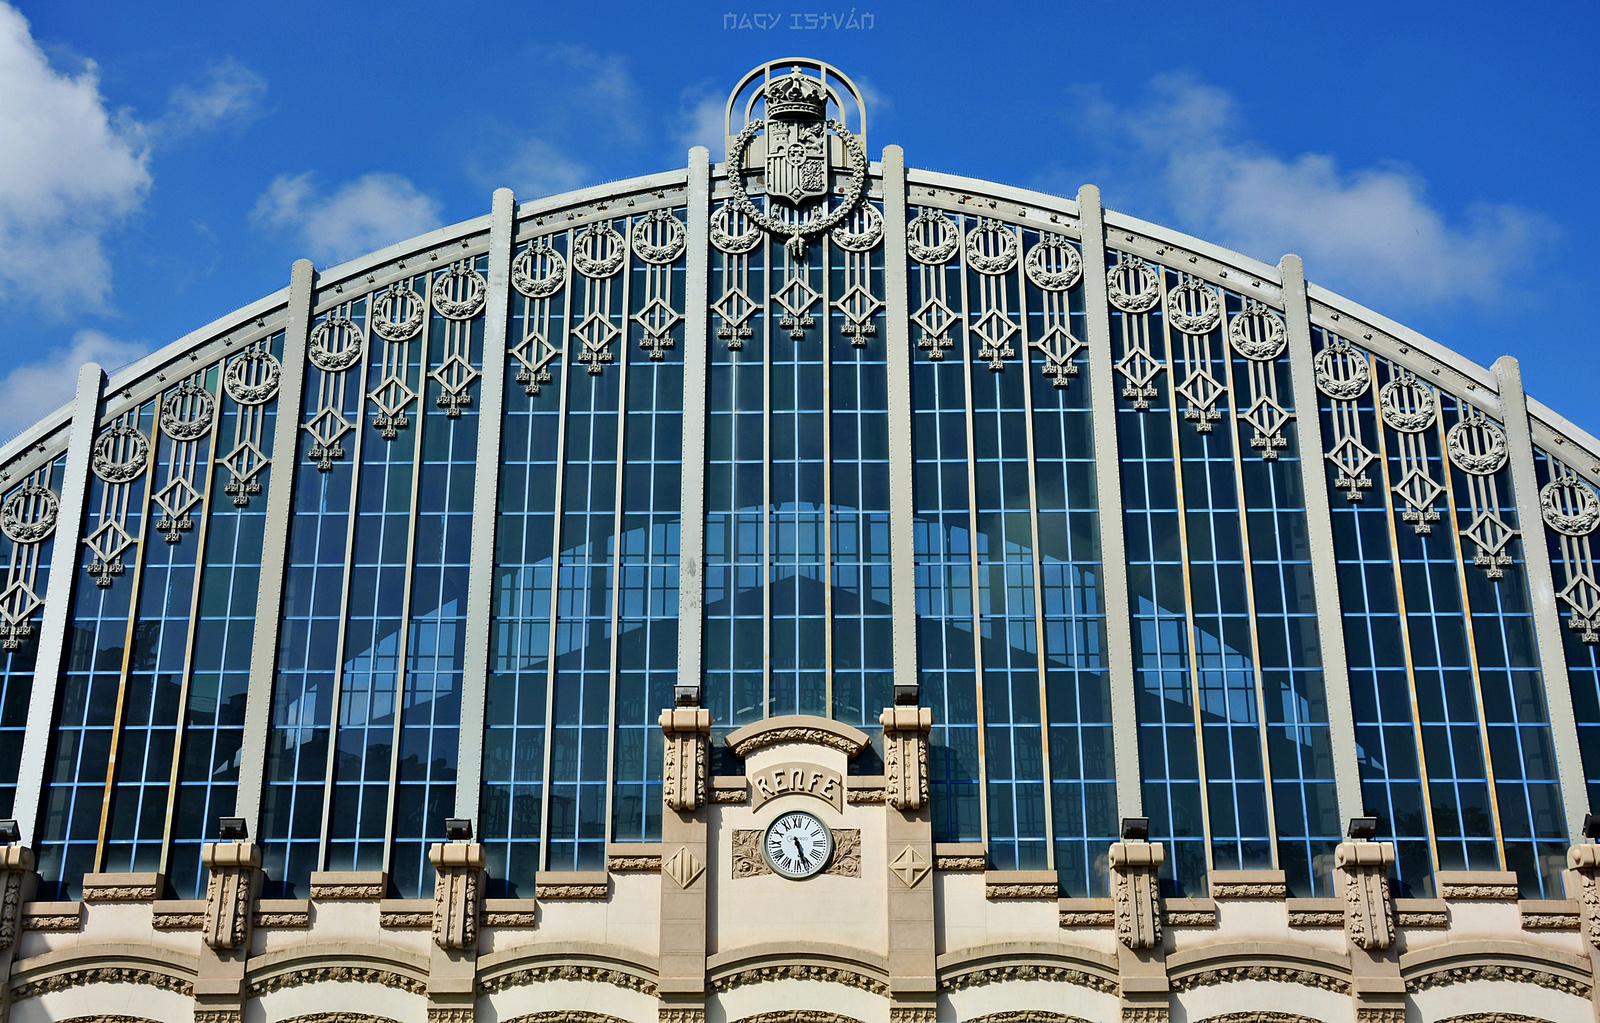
[{"x": 801, "y": 779}]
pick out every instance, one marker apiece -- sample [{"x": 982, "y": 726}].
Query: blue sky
[{"x": 163, "y": 164}]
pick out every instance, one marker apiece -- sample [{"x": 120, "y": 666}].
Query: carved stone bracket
[
  {"x": 16, "y": 875},
  {"x": 1368, "y": 906},
  {"x": 1584, "y": 862},
  {"x": 1135, "y": 892},
  {"x": 685, "y": 777},
  {"x": 457, "y": 892},
  {"x": 231, "y": 892},
  {"x": 905, "y": 755}
]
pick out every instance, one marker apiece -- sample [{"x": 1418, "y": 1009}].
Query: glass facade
[{"x": 628, "y": 327}]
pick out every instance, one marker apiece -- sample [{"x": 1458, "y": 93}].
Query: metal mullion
[
  {"x": 555, "y": 558},
  {"x": 766, "y": 473},
  {"x": 829, "y": 518},
  {"x": 1038, "y": 584},
  {"x": 194, "y": 617},
  {"x": 1405, "y": 622},
  {"x": 616, "y": 527},
  {"x": 341, "y": 386},
  {"x": 1472, "y": 643},
  {"x": 1192, "y": 654},
  {"x": 1231, "y": 418},
  {"x": 972, "y": 528},
  {"x": 152, "y": 457},
  {"x": 403, "y": 642}
]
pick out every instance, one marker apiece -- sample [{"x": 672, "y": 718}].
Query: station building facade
[{"x": 800, "y": 588}]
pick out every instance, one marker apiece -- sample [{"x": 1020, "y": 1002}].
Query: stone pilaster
[
  {"x": 1136, "y": 892},
  {"x": 17, "y": 881},
  {"x": 1361, "y": 870},
  {"x": 685, "y": 788},
  {"x": 231, "y": 892},
  {"x": 457, "y": 904},
  {"x": 685, "y": 775},
  {"x": 905, "y": 756},
  {"x": 913, "y": 978}
]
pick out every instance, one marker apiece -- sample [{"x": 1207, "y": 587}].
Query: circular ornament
[
  {"x": 723, "y": 237},
  {"x": 538, "y": 271},
  {"x": 932, "y": 237},
  {"x": 1342, "y": 372},
  {"x": 658, "y": 237},
  {"x": 336, "y": 345},
  {"x": 1476, "y": 445},
  {"x": 798, "y": 230},
  {"x": 1194, "y": 307},
  {"x": 991, "y": 248},
  {"x": 186, "y": 412},
  {"x": 1133, "y": 285},
  {"x": 29, "y": 514},
  {"x": 1258, "y": 332},
  {"x": 1053, "y": 264},
  {"x": 797, "y": 845},
  {"x": 598, "y": 251},
  {"x": 1408, "y": 406},
  {"x": 458, "y": 292},
  {"x": 397, "y": 313},
  {"x": 862, "y": 231},
  {"x": 1569, "y": 507},
  {"x": 120, "y": 453},
  {"x": 252, "y": 378}
]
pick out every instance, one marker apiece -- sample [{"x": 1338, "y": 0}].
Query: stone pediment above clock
[{"x": 797, "y": 730}]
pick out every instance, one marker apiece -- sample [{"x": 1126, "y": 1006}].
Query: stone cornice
[{"x": 803, "y": 728}]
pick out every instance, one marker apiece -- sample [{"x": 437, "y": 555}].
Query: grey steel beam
[
  {"x": 1319, "y": 536},
  {"x": 1542, "y": 589},
  {"x": 485, "y": 506},
  {"x": 58, "y": 601},
  {"x": 275, "y": 546},
  {"x": 897, "y": 335},
  {"x": 696, "y": 357},
  {"x": 1108, "y": 495}
]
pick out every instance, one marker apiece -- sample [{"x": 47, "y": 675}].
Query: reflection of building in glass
[{"x": 977, "y": 524}]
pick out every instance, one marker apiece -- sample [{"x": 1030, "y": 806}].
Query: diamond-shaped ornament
[
  {"x": 597, "y": 333},
  {"x": 1058, "y": 346},
  {"x": 735, "y": 308},
  {"x": 1140, "y": 370},
  {"x": 859, "y": 307},
  {"x": 1491, "y": 534},
  {"x": 1351, "y": 458},
  {"x": 797, "y": 297},
  {"x": 176, "y": 500},
  {"x": 657, "y": 318},
  {"x": 683, "y": 867},
  {"x": 935, "y": 319},
  {"x": 16, "y": 604},
  {"x": 910, "y": 867},
  {"x": 1419, "y": 491},
  {"x": 994, "y": 329},
  {"x": 454, "y": 375},
  {"x": 245, "y": 461},
  {"x": 1202, "y": 391},
  {"x": 1268, "y": 418},
  {"x": 1583, "y": 596},
  {"x": 106, "y": 544},
  {"x": 326, "y": 427}
]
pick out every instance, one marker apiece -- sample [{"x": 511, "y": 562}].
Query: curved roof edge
[{"x": 1481, "y": 381}]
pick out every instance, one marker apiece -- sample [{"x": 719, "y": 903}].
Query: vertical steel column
[
  {"x": 485, "y": 506},
  {"x": 1108, "y": 495},
  {"x": 58, "y": 601},
  {"x": 696, "y": 357},
  {"x": 897, "y": 335},
  {"x": 275, "y": 546},
  {"x": 1542, "y": 588},
  {"x": 1319, "y": 536}
]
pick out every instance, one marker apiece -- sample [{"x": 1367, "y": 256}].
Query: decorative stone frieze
[
  {"x": 349, "y": 974},
  {"x": 685, "y": 777},
  {"x": 800, "y": 971},
  {"x": 1584, "y": 862},
  {"x": 681, "y": 1016},
  {"x": 905, "y": 755},
  {"x": 230, "y": 892},
  {"x": 121, "y": 887},
  {"x": 748, "y": 860},
  {"x": 1136, "y": 893},
  {"x": 336, "y": 885},
  {"x": 1145, "y": 1014},
  {"x": 52, "y": 916},
  {"x": 1368, "y": 906},
  {"x": 457, "y": 892},
  {"x": 1280, "y": 974},
  {"x": 16, "y": 869},
  {"x": 1190, "y": 913},
  {"x": 179, "y": 916},
  {"x": 805, "y": 728},
  {"x": 1368, "y": 1014},
  {"x": 572, "y": 884},
  {"x": 102, "y": 975},
  {"x": 283, "y": 913},
  {"x": 450, "y": 1014},
  {"x": 1490, "y": 971},
  {"x": 218, "y": 1016},
  {"x": 568, "y": 971},
  {"x": 1549, "y": 914},
  {"x": 1085, "y": 913},
  {"x": 1316, "y": 912},
  {"x": 1027, "y": 971},
  {"x": 1478, "y": 884},
  {"x": 1248, "y": 884}
]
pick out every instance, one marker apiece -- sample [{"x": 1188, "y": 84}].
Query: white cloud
[
  {"x": 368, "y": 213},
  {"x": 33, "y": 390},
  {"x": 1372, "y": 229},
  {"x": 538, "y": 168},
  {"x": 229, "y": 92},
  {"x": 703, "y": 119},
  {"x": 69, "y": 174}
]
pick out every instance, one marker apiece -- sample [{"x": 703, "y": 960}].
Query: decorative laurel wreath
[{"x": 798, "y": 232}]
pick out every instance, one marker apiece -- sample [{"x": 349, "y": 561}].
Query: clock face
[{"x": 797, "y": 845}]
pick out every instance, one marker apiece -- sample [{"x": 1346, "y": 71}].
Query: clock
[{"x": 797, "y": 845}]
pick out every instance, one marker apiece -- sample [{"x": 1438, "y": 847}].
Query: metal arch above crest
[{"x": 765, "y": 73}]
